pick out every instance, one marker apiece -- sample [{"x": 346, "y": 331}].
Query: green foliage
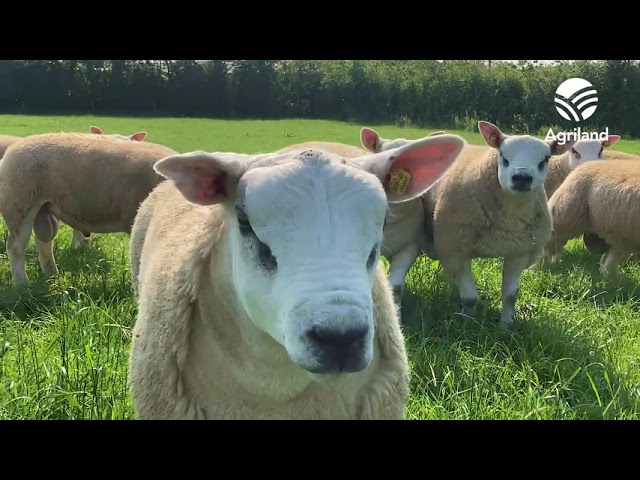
[{"x": 447, "y": 94}]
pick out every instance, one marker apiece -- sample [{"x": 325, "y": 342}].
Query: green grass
[{"x": 574, "y": 354}]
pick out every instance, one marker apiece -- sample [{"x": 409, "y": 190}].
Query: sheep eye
[
  {"x": 543, "y": 163},
  {"x": 505, "y": 162},
  {"x": 243, "y": 221},
  {"x": 372, "y": 256}
]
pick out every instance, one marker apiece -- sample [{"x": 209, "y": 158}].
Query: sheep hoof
[
  {"x": 611, "y": 275},
  {"x": 21, "y": 281},
  {"x": 469, "y": 307},
  {"x": 505, "y": 325},
  {"x": 51, "y": 271}
]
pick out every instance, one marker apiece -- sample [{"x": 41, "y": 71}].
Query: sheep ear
[
  {"x": 96, "y": 130},
  {"x": 204, "y": 178},
  {"x": 408, "y": 171},
  {"x": 491, "y": 134},
  {"x": 138, "y": 136},
  {"x": 439, "y": 132},
  {"x": 611, "y": 139},
  {"x": 559, "y": 149},
  {"x": 370, "y": 139}
]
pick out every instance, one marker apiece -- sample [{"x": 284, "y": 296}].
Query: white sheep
[
  {"x": 260, "y": 291},
  {"x": 404, "y": 231},
  {"x": 79, "y": 238},
  {"x": 492, "y": 204},
  {"x": 93, "y": 183},
  {"x": 603, "y": 198},
  {"x": 561, "y": 165}
]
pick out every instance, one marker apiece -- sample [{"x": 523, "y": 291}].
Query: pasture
[{"x": 574, "y": 352}]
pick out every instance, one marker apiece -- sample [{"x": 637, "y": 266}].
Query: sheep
[
  {"x": 593, "y": 242},
  {"x": 259, "y": 288},
  {"x": 561, "y": 165},
  {"x": 80, "y": 238},
  {"x": 90, "y": 182},
  {"x": 405, "y": 227},
  {"x": 492, "y": 204},
  {"x": 603, "y": 198},
  {"x": 582, "y": 151}
]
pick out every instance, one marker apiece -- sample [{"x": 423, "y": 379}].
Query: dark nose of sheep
[
  {"x": 338, "y": 350},
  {"x": 522, "y": 182}
]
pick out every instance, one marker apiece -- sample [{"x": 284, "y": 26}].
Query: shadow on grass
[
  {"x": 603, "y": 290},
  {"x": 87, "y": 271},
  {"x": 545, "y": 353},
  {"x": 90, "y": 258}
]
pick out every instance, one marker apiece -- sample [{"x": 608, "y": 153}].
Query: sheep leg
[
  {"x": 611, "y": 261},
  {"x": 460, "y": 270},
  {"x": 399, "y": 265},
  {"x": 16, "y": 249},
  {"x": 46, "y": 258},
  {"x": 512, "y": 269},
  {"x": 19, "y": 228},
  {"x": 555, "y": 246},
  {"x": 79, "y": 239}
]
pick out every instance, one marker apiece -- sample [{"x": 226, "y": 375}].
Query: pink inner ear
[
  {"x": 96, "y": 130},
  {"x": 139, "y": 136},
  {"x": 611, "y": 139},
  {"x": 425, "y": 165},
  {"x": 490, "y": 134},
  {"x": 209, "y": 188},
  {"x": 369, "y": 138}
]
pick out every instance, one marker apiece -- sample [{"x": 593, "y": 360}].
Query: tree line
[{"x": 517, "y": 97}]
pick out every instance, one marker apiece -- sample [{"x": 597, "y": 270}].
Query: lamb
[
  {"x": 79, "y": 238},
  {"x": 582, "y": 151},
  {"x": 593, "y": 242},
  {"x": 560, "y": 166},
  {"x": 90, "y": 182},
  {"x": 603, "y": 198},
  {"x": 492, "y": 204},
  {"x": 259, "y": 287}
]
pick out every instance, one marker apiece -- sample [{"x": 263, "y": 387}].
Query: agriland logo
[{"x": 576, "y": 99}]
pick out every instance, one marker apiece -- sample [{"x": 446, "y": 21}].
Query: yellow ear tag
[{"x": 399, "y": 181}]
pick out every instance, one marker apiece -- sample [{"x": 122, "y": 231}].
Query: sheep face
[
  {"x": 522, "y": 159},
  {"x": 304, "y": 234},
  {"x": 588, "y": 150}
]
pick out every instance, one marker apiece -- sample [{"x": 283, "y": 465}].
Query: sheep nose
[
  {"x": 522, "y": 182},
  {"x": 340, "y": 350}
]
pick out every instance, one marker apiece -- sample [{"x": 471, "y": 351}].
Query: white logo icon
[{"x": 576, "y": 99}]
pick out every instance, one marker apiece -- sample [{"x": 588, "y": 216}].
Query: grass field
[{"x": 574, "y": 354}]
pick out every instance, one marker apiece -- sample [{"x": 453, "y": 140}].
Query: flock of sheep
[{"x": 257, "y": 277}]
